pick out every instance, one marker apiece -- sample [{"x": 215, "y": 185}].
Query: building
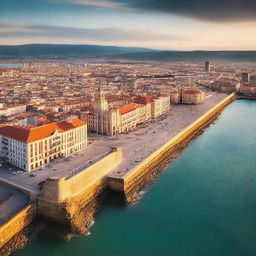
[
  {"x": 32, "y": 148},
  {"x": 225, "y": 85},
  {"x": 101, "y": 119},
  {"x": 175, "y": 96},
  {"x": 248, "y": 89},
  {"x": 207, "y": 66},
  {"x": 12, "y": 110},
  {"x": 246, "y": 77},
  {"x": 161, "y": 106},
  {"x": 129, "y": 116},
  {"x": 147, "y": 102},
  {"x": 192, "y": 96},
  {"x": 113, "y": 121}
]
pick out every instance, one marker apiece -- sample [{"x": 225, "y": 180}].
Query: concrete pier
[{"x": 133, "y": 178}]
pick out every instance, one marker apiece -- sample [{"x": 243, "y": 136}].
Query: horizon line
[{"x": 152, "y": 49}]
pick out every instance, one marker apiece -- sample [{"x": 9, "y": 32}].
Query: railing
[{"x": 87, "y": 163}]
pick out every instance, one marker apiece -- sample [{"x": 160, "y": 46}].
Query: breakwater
[
  {"x": 246, "y": 97},
  {"x": 62, "y": 197},
  {"x": 15, "y": 225},
  {"x": 132, "y": 181}
]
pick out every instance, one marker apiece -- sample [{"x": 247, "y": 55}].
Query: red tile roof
[
  {"x": 127, "y": 108},
  {"x": 143, "y": 100},
  {"x": 27, "y": 135}
]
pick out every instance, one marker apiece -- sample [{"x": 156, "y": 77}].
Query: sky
[{"x": 158, "y": 24}]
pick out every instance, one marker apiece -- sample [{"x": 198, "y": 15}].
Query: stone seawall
[
  {"x": 158, "y": 159},
  {"x": 59, "y": 194},
  {"x": 246, "y": 97},
  {"x": 16, "y": 224}
]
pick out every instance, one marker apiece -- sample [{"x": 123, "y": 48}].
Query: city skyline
[{"x": 168, "y": 25}]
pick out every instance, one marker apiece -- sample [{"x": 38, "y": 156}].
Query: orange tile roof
[
  {"x": 192, "y": 92},
  {"x": 27, "y": 135},
  {"x": 127, "y": 108},
  {"x": 143, "y": 100}
]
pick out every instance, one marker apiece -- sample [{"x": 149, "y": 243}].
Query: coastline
[
  {"x": 159, "y": 158},
  {"x": 130, "y": 183}
]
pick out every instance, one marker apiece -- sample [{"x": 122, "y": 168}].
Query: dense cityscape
[
  {"x": 62, "y": 119},
  {"x": 69, "y": 99},
  {"x": 127, "y": 127}
]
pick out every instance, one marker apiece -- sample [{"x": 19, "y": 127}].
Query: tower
[
  {"x": 207, "y": 66},
  {"x": 246, "y": 77},
  {"x": 191, "y": 82},
  {"x": 100, "y": 103}
]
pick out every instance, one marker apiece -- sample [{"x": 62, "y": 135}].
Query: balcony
[{"x": 5, "y": 142}]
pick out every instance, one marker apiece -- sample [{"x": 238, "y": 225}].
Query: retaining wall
[
  {"x": 16, "y": 224},
  {"x": 89, "y": 183}
]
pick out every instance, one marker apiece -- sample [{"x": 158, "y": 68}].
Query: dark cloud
[
  {"x": 104, "y": 34},
  {"x": 212, "y": 10}
]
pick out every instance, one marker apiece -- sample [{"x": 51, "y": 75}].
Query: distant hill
[
  {"x": 63, "y": 50},
  {"x": 238, "y": 56}
]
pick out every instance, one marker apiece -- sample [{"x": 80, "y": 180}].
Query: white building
[
  {"x": 12, "y": 110},
  {"x": 32, "y": 148},
  {"x": 125, "y": 118}
]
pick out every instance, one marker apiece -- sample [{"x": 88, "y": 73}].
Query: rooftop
[
  {"x": 127, "y": 108},
  {"x": 26, "y": 134}
]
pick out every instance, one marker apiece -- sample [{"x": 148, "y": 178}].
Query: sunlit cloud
[
  {"x": 102, "y": 34},
  {"x": 95, "y": 3}
]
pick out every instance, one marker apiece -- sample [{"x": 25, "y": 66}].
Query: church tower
[{"x": 100, "y": 103}]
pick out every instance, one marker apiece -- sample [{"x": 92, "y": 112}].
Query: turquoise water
[{"x": 203, "y": 204}]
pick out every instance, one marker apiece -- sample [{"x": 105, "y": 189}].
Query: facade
[
  {"x": 207, "y": 66},
  {"x": 175, "y": 96},
  {"x": 246, "y": 77},
  {"x": 32, "y": 148},
  {"x": 192, "y": 96},
  {"x": 226, "y": 85},
  {"x": 147, "y": 102},
  {"x": 248, "y": 89},
  {"x": 129, "y": 116},
  {"x": 161, "y": 106},
  {"x": 106, "y": 121},
  {"x": 12, "y": 110},
  {"x": 101, "y": 119}
]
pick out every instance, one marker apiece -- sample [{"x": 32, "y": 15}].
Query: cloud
[
  {"x": 210, "y": 10},
  {"x": 97, "y": 3},
  {"x": 100, "y": 35}
]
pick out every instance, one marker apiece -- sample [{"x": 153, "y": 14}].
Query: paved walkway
[{"x": 11, "y": 202}]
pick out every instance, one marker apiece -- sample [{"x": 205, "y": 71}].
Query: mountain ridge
[{"x": 62, "y": 51}]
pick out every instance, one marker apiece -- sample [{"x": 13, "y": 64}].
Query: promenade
[{"x": 136, "y": 146}]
